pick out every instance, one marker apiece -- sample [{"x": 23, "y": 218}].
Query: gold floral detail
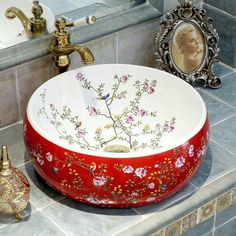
[
  {"x": 6, "y": 190},
  {"x": 223, "y": 201},
  {"x": 233, "y": 195},
  {"x": 207, "y": 211},
  {"x": 173, "y": 229},
  {"x": 189, "y": 221}
]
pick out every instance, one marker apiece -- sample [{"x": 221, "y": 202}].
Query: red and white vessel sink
[{"x": 116, "y": 135}]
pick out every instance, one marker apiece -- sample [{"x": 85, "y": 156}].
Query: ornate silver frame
[{"x": 187, "y": 14}]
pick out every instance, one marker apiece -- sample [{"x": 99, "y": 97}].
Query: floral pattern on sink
[
  {"x": 148, "y": 182},
  {"x": 129, "y": 126}
]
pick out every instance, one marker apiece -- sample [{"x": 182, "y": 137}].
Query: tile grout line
[
  {"x": 23, "y": 164},
  {"x": 227, "y": 74},
  {"x": 218, "y": 99},
  {"x": 210, "y": 182},
  {"x": 127, "y": 227},
  {"x": 53, "y": 222},
  {"x": 220, "y": 145},
  {"x": 117, "y": 47},
  {"x": 233, "y": 218},
  {"x": 52, "y": 203},
  {"x": 9, "y": 126},
  {"x": 221, "y": 121},
  {"x": 229, "y": 67}
]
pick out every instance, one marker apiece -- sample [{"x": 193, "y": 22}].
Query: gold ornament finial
[{"x": 5, "y": 163}]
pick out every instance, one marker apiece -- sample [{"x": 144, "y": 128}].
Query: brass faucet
[
  {"x": 34, "y": 27},
  {"x": 61, "y": 46}
]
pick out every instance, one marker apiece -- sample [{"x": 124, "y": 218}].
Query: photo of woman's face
[
  {"x": 192, "y": 42},
  {"x": 187, "y": 47}
]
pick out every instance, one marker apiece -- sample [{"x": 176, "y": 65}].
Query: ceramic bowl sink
[
  {"x": 13, "y": 31},
  {"x": 116, "y": 135}
]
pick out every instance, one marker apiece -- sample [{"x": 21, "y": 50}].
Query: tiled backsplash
[
  {"x": 210, "y": 212},
  {"x": 223, "y": 14},
  {"x": 134, "y": 45},
  {"x": 16, "y": 86}
]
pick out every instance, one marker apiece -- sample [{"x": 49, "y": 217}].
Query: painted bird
[
  {"x": 105, "y": 97},
  {"x": 78, "y": 124},
  {"x": 92, "y": 168}
]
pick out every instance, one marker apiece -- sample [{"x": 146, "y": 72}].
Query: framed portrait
[{"x": 187, "y": 45}]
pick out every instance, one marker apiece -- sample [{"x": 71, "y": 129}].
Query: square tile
[
  {"x": 173, "y": 229},
  {"x": 35, "y": 224},
  {"x": 103, "y": 49},
  {"x": 223, "y": 201},
  {"x": 12, "y": 138},
  {"x": 225, "y": 215},
  {"x": 30, "y": 76},
  {"x": 136, "y": 45},
  {"x": 189, "y": 221},
  {"x": 9, "y": 112},
  {"x": 206, "y": 211},
  {"x": 72, "y": 215},
  {"x": 217, "y": 110},
  {"x": 221, "y": 70},
  {"x": 226, "y": 93},
  {"x": 225, "y": 27},
  {"x": 224, "y": 134},
  {"x": 11, "y": 135},
  {"x": 227, "y": 229}
]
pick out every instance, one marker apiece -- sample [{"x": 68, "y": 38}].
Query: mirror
[
  {"x": 13, "y": 32},
  {"x": 112, "y": 16}
]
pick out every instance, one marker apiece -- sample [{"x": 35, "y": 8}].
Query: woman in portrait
[{"x": 190, "y": 47}]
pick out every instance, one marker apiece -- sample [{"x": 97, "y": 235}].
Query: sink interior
[
  {"x": 13, "y": 32},
  {"x": 116, "y": 110}
]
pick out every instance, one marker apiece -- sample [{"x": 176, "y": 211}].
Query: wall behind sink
[
  {"x": 223, "y": 14},
  {"x": 134, "y": 45}
]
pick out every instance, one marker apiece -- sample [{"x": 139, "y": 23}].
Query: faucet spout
[
  {"x": 85, "y": 54},
  {"x": 13, "y": 12},
  {"x": 61, "y": 47}
]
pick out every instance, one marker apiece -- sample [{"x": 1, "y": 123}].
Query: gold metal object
[
  {"x": 61, "y": 46},
  {"x": 118, "y": 148},
  {"x": 34, "y": 27},
  {"x": 14, "y": 187}
]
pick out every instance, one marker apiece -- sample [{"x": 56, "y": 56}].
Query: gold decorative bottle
[{"x": 14, "y": 187}]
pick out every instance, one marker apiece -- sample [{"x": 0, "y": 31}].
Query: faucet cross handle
[{"x": 61, "y": 22}]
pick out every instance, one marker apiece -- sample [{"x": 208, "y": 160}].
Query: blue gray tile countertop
[{"x": 50, "y": 213}]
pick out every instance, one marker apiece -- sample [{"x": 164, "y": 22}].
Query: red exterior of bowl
[{"x": 115, "y": 182}]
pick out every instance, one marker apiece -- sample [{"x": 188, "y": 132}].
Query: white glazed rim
[{"x": 137, "y": 154}]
